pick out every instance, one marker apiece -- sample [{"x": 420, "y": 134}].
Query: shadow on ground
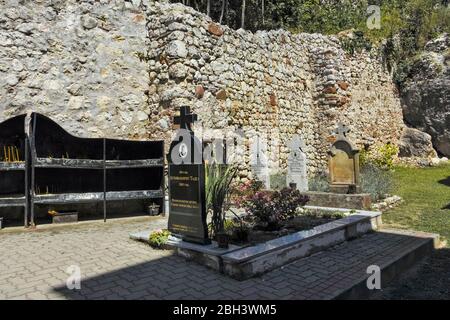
[
  {"x": 172, "y": 277},
  {"x": 428, "y": 280},
  {"x": 445, "y": 182},
  {"x": 169, "y": 277}
]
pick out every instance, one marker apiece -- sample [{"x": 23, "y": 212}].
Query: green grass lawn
[{"x": 426, "y": 195}]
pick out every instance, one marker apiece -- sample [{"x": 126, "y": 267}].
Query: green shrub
[
  {"x": 243, "y": 191},
  {"x": 388, "y": 153},
  {"x": 376, "y": 181},
  {"x": 356, "y": 43},
  {"x": 228, "y": 225},
  {"x": 237, "y": 228},
  {"x": 270, "y": 208},
  {"x": 416, "y": 20},
  {"x": 278, "y": 181},
  {"x": 364, "y": 157},
  {"x": 392, "y": 22},
  {"x": 334, "y": 215},
  {"x": 218, "y": 185},
  {"x": 158, "y": 238},
  {"x": 319, "y": 183},
  {"x": 324, "y": 214},
  {"x": 381, "y": 156}
]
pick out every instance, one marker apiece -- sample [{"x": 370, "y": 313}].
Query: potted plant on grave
[
  {"x": 240, "y": 230},
  {"x": 268, "y": 209},
  {"x": 218, "y": 185},
  {"x": 158, "y": 239}
]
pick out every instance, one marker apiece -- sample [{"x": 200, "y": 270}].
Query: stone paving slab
[{"x": 33, "y": 266}]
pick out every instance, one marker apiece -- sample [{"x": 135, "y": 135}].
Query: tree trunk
[
  {"x": 262, "y": 7},
  {"x": 243, "y": 15},
  {"x": 222, "y": 11},
  {"x": 208, "y": 8},
  {"x": 226, "y": 10}
]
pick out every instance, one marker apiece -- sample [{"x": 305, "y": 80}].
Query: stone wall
[
  {"x": 77, "y": 62},
  {"x": 120, "y": 68},
  {"x": 273, "y": 83}
]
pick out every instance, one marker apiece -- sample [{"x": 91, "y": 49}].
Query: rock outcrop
[
  {"x": 426, "y": 93},
  {"x": 415, "y": 143}
]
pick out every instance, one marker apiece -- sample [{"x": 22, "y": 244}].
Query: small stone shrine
[{"x": 343, "y": 163}]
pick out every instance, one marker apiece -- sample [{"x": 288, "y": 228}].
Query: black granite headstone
[{"x": 187, "y": 205}]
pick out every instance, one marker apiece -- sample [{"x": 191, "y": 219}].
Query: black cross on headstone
[
  {"x": 341, "y": 130},
  {"x": 185, "y": 118}
]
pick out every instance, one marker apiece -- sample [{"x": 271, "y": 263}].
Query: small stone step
[
  {"x": 340, "y": 272},
  {"x": 410, "y": 248}
]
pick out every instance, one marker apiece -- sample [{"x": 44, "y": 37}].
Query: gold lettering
[
  {"x": 178, "y": 203},
  {"x": 179, "y": 178},
  {"x": 178, "y": 227}
]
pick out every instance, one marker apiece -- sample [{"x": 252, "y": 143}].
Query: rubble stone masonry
[{"x": 121, "y": 68}]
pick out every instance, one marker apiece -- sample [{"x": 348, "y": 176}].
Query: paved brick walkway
[{"x": 33, "y": 266}]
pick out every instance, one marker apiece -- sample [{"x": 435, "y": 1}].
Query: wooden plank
[
  {"x": 11, "y": 201},
  {"x": 96, "y": 164},
  {"x": 134, "y": 163},
  {"x": 68, "y": 163},
  {"x": 96, "y": 196},
  {"x": 11, "y": 166}
]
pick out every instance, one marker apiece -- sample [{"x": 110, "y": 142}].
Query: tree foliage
[
  {"x": 417, "y": 20},
  {"x": 406, "y": 25}
]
